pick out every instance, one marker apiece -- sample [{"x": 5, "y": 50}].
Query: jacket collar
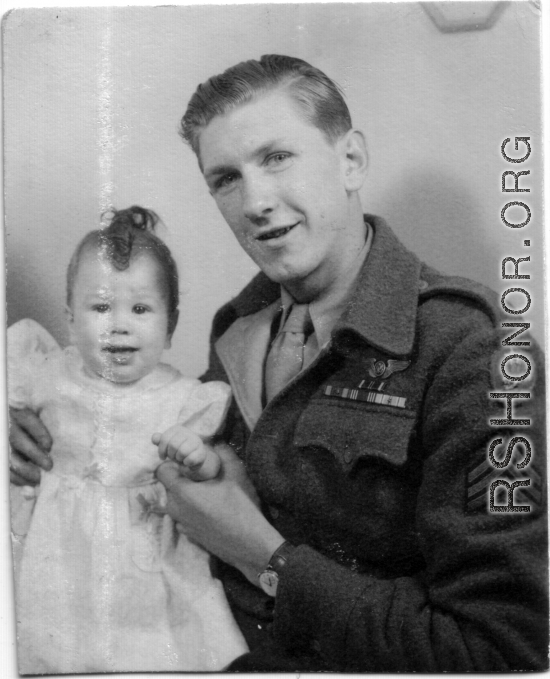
[{"x": 383, "y": 306}]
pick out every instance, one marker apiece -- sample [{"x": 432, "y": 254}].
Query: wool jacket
[{"x": 375, "y": 462}]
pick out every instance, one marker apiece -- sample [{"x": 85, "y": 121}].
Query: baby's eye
[
  {"x": 140, "y": 309},
  {"x": 101, "y": 308}
]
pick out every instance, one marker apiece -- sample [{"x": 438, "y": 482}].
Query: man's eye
[
  {"x": 278, "y": 158},
  {"x": 225, "y": 180},
  {"x": 140, "y": 309},
  {"x": 101, "y": 308}
]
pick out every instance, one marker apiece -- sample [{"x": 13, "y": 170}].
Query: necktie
[{"x": 286, "y": 355}]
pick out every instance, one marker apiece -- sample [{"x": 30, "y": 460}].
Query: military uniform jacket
[{"x": 374, "y": 461}]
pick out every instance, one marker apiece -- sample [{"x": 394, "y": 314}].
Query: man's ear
[
  {"x": 70, "y": 322},
  {"x": 355, "y": 159},
  {"x": 172, "y": 322}
]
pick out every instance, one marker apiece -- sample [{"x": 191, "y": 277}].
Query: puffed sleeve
[
  {"x": 206, "y": 407},
  {"x": 29, "y": 348}
]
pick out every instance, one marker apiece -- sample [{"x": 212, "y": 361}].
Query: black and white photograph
[{"x": 275, "y": 332}]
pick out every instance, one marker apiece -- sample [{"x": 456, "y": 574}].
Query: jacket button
[
  {"x": 348, "y": 456},
  {"x": 316, "y": 646},
  {"x": 274, "y": 512},
  {"x": 422, "y": 285}
]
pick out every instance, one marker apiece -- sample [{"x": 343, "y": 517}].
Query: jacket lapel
[{"x": 241, "y": 350}]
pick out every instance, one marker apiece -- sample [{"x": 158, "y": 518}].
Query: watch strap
[
  {"x": 280, "y": 557},
  {"x": 269, "y": 577}
]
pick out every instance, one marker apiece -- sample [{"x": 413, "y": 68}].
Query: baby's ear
[
  {"x": 70, "y": 322},
  {"x": 172, "y": 323}
]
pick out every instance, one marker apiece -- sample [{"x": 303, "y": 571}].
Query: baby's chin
[{"x": 117, "y": 377}]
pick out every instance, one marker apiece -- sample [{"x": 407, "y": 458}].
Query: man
[{"x": 359, "y": 538}]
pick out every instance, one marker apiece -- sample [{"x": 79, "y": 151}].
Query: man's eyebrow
[
  {"x": 268, "y": 148},
  {"x": 218, "y": 170}
]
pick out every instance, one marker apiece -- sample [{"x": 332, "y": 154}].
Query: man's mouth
[{"x": 276, "y": 233}]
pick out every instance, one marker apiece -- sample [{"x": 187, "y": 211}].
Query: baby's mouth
[
  {"x": 119, "y": 350},
  {"x": 120, "y": 354}
]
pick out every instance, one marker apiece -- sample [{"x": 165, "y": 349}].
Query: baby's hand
[{"x": 184, "y": 446}]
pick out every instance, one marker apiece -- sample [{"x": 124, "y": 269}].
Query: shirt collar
[{"x": 325, "y": 313}]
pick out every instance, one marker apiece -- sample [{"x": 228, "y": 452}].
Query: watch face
[{"x": 269, "y": 581}]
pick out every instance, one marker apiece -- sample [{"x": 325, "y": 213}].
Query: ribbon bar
[{"x": 366, "y": 395}]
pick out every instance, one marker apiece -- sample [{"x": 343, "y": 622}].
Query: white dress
[{"x": 104, "y": 583}]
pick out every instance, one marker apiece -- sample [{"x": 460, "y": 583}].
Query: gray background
[{"x": 93, "y": 98}]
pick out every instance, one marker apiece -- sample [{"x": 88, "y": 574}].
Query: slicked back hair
[{"x": 318, "y": 98}]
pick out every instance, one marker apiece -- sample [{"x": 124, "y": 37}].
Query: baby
[{"x": 104, "y": 582}]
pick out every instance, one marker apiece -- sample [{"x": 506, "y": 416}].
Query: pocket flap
[{"x": 351, "y": 431}]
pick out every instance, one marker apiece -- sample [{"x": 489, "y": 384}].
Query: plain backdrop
[{"x": 93, "y": 100}]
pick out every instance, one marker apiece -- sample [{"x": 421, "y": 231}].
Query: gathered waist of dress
[{"x": 93, "y": 475}]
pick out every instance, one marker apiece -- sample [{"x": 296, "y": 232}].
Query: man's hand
[
  {"x": 223, "y": 514},
  {"x": 30, "y": 444},
  {"x": 182, "y": 445}
]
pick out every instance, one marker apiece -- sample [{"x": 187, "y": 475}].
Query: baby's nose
[{"x": 120, "y": 323}]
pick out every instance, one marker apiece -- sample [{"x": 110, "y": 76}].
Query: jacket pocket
[{"x": 353, "y": 431}]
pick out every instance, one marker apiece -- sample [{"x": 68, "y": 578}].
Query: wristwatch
[{"x": 269, "y": 578}]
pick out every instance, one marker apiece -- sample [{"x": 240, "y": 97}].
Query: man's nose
[{"x": 259, "y": 198}]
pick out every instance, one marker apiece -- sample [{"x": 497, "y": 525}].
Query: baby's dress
[{"x": 104, "y": 582}]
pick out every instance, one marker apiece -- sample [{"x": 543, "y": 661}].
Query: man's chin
[{"x": 284, "y": 274}]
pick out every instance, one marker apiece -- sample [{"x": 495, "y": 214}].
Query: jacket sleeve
[{"x": 480, "y": 604}]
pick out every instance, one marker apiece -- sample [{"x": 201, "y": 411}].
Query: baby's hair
[{"x": 129, "y": 234}]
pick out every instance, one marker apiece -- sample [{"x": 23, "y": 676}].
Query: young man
[{"x": 359, "y": 538}]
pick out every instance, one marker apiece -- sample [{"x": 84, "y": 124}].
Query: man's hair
[
  {"x": 318, "y": 97},
  {"x": 130, "y": 234}
]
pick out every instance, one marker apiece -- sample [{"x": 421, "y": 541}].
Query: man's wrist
[{"x": 269, "y": 577}]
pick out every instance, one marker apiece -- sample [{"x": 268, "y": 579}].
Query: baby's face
[{"x": 118, "y": 319}]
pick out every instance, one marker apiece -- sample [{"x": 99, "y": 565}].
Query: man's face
[{"x": 280, "y": 185}]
